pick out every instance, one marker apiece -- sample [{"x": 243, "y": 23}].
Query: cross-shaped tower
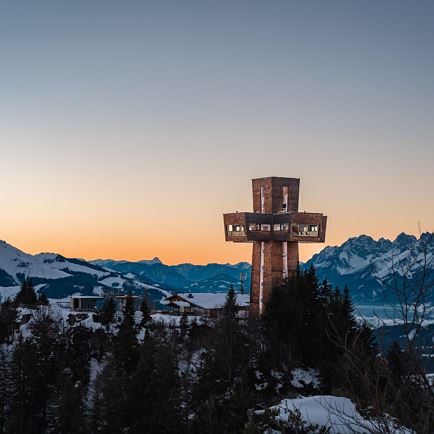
[{"x": 275, "y": 227}]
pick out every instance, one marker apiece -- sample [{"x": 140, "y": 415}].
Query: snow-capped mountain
[
  {"x": 370, "y": 267},
  {"x": 59, "y": 277}
]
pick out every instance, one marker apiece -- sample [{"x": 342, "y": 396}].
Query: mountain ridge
[{"x": 367, "y": 266}]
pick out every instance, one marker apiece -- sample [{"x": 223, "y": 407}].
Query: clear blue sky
[{"x": 124, "y": 122}]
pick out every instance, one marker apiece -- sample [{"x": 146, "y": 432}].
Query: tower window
[
  {"x": 305, "y": 230},
  {"x": 236, "y": 228}
]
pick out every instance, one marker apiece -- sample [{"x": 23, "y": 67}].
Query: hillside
[{"x": 59, "y": 277}]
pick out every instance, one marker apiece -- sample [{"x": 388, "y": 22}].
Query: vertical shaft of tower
[{"x": 272, "y": 261}]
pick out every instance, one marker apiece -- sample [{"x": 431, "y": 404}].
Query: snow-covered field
[{"x": 337, "y": 413}]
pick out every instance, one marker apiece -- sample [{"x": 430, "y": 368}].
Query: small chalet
[
  {"x": 95, "y": 302},
  {"x": 209, "y": 304},
  {"x": 85, "y": 302}
]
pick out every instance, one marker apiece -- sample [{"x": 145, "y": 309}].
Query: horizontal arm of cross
[{"x": 294, "y": 226}]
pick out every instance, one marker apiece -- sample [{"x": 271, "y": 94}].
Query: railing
[
  {"x": 236, "y": 233},
  {"x": 307, "y": 234}
]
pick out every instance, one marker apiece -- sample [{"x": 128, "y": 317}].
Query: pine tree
[
  {"x": 137, "y": 413},
  {"x": 146, "y": 313},
  {"x": 26, "y": 294},
  {"x": 229, "y": 332},
  {"x": 25, "y": 409},
  {"x": 230, "y": 308},
  {"x": 125, "y": 345},
  {"x": 4, "y": 398},
  {"x": 78, "y": 353},
  {"x": 96, "y": 418},
  {"x": 108, "y": 312},
  {"x": 341, "y": 316},
  {"x": 325, "y": 293},
  {"x": 8, "y": 315},
  {"x": 183, "y": 325},
  {"x": 50, "y": 362},
  {"x": 347, "y": 302},
  {"x": 162, "y": 409},
  {"x": 70, "y": 417},
  {"x": 108, "y": 417}
]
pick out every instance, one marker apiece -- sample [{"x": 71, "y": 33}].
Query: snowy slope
[
  {"x": 336, "y": 413},
  {"x": 58, "y": 276}
]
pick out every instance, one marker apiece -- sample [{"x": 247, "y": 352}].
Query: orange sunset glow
[{"x": 131, "y": 144}]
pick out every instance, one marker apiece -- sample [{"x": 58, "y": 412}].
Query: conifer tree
[
  {"x": 183, "y": 325},
  {"x": 109, "y": 415},
  {"x": 161, "y": 399},
  {"x": 24, "y": 411},
  {"x": 125, "y": 345},
  {"x": 26, "y": 294},
  {"x": 345, "y": 322},
  {"x": 137, "y": 413},
  {"x": 95, "y": 420},
  {"x": 8, "y": 315},
  {"x": 108, "y": 312},
  {"x": 49, "y": 364},
  {"x": 230, "y": 307},
  {"x": 4, "y": 398},
  {"x": 70, "y": 417},
  {"x": 325, "y": 293},
  {"x": 78, "y": 352},
  {"x": 228, "y": 338},
  {"x": 193, "y": 332},
  {"x": 146, "y": 312}
]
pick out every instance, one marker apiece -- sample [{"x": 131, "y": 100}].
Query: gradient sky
[{"x": 128, "y": 127}]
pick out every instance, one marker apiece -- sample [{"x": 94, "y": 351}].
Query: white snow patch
[
  {"x": 174, "y": 319},
  {"x": 305, "y": 377},
  {"x": 213, "y": 300},
  {"x": 337, "y": 413},
  {"x": 8, "y": 292},
  {"x": 113, "y": 281}
]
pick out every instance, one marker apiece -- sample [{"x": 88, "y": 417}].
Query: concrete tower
[{"x": 275, "y": 227}]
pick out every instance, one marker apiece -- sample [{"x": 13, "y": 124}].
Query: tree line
[{"x": 132, "y": 374}]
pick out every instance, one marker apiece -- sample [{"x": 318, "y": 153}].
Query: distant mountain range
[
  {"x": 367, "y": 266},
  {"x": 185, "y": 277}
]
